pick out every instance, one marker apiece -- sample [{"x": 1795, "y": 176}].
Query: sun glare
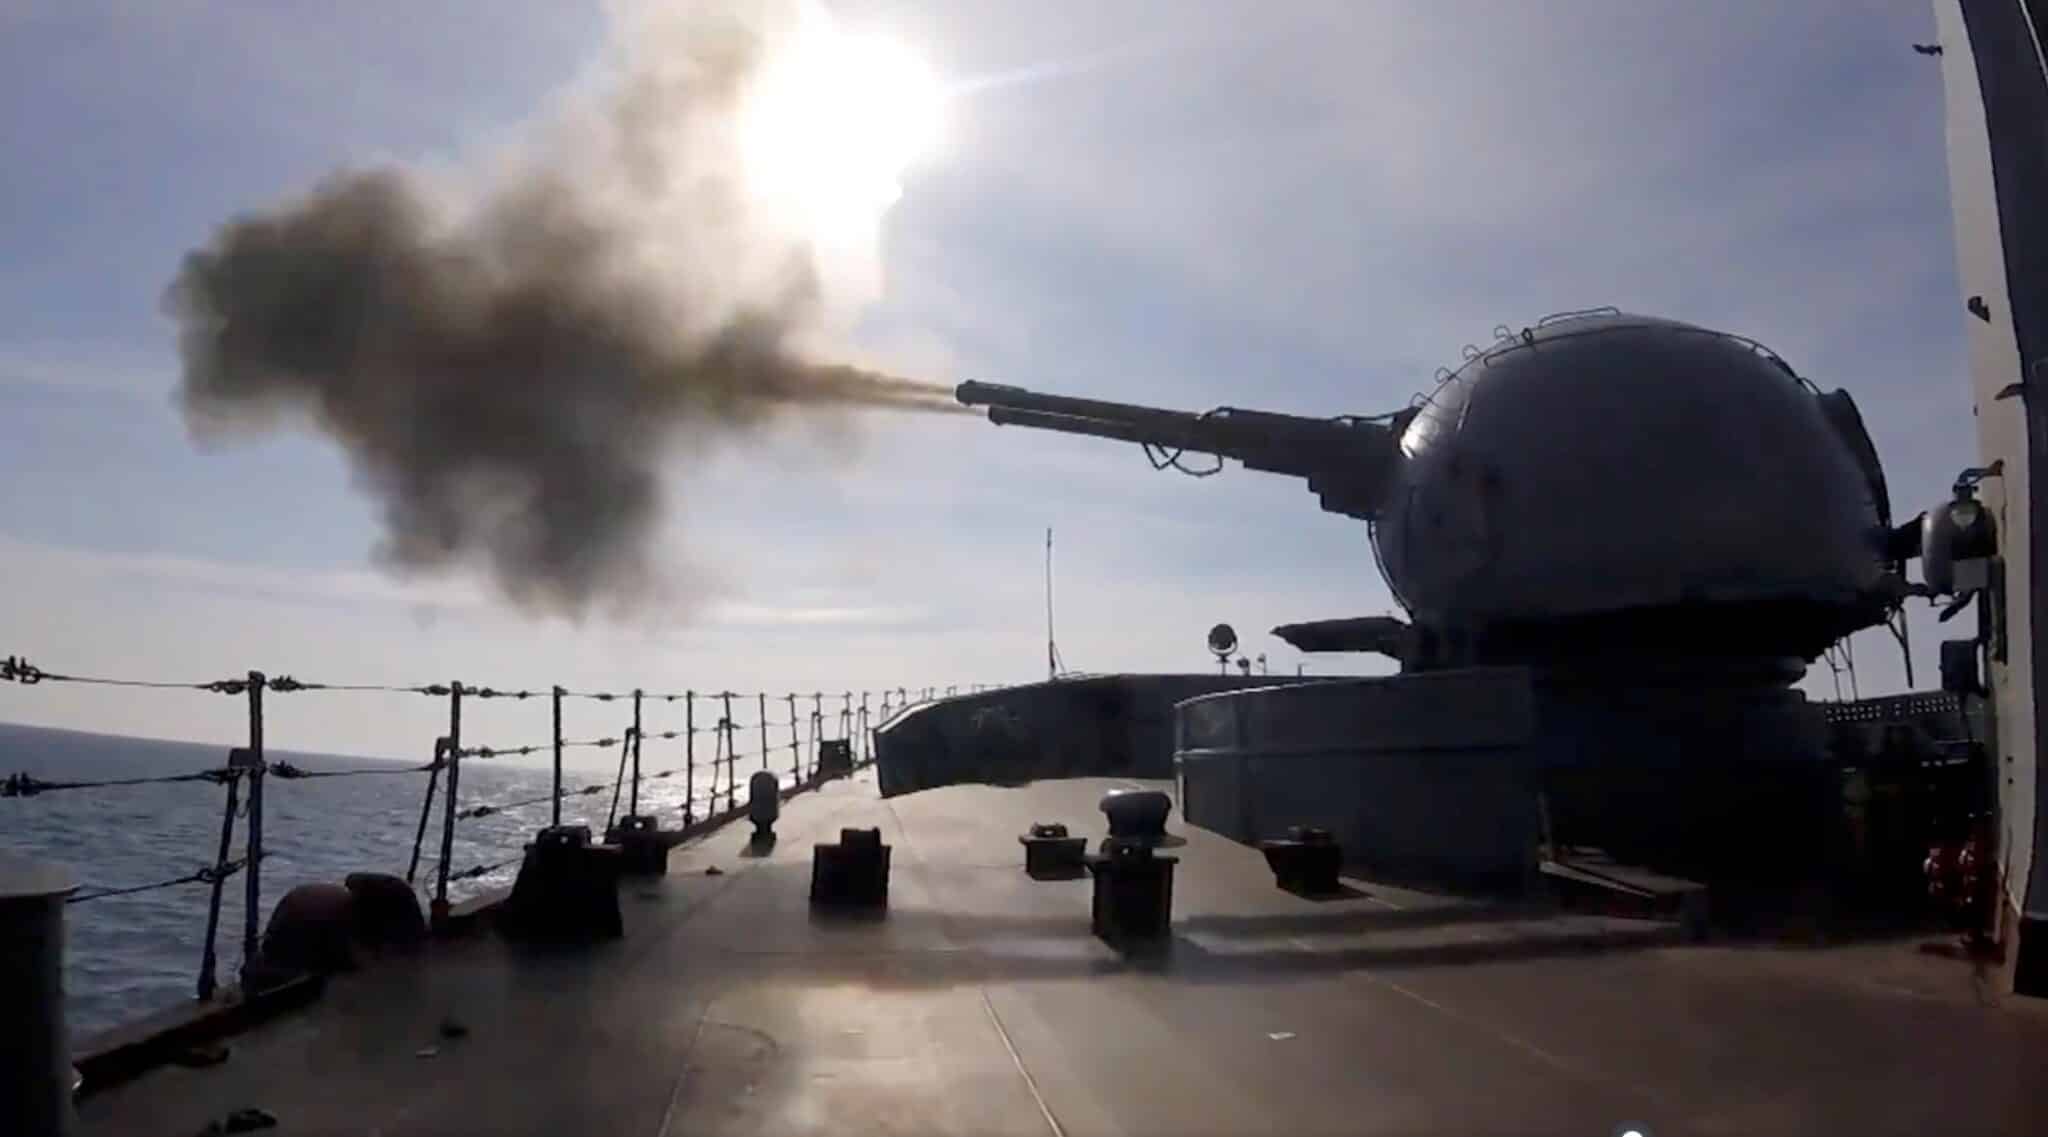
[{"x": 832, "y": 124}]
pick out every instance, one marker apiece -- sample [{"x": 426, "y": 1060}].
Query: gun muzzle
[{"x": 976, "y": 394}]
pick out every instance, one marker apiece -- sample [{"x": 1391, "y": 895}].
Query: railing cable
[
  {"x": 208, "y": 875},
  {"x": 25, "y": 785},
  {"x": 475, "y": 811}
]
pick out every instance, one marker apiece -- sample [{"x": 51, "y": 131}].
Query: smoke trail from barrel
[{"x": 508, "y": 366}]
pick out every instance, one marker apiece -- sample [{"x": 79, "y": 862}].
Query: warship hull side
[{"x": 1997, "y": 99}]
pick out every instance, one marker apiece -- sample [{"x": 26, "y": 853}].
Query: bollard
[
  {"x": 1132, "y": 905},
  {"x": 764, "y": 805},
  {"x": 35, "y": 1064},
  {"x": 1137, "y": 815},
  {"x": 835, "y": 759}
]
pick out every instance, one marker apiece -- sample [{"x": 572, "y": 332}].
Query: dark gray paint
[
  {"x": 1436, "y": 774},
  {"x": 1099, "y": 726},
  {"x": 1683, "y": 486},
  {"x": 35, "y": 1066},
  {"x": 2004, "y": 40},
  {"x": 1616, "y": 462}
]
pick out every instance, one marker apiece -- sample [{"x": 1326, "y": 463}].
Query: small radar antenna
[{"x": 1222, "y": 641}]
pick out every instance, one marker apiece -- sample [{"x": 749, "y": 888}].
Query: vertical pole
[
  {"x": 689, "y": 757},
  {"x": 762, "y": 710},
  {"x": 1052, "y": 652},
  {"x": 220, "y": 857},
  {"x": 611, "y": 816},
  {"x": 419, "y": 836},
  {"x": 252, "y": 895},
  {"x": 556, "y": 814},
  {"x": 633, "y": 801},
  {"x": 796, "y": 754},
  {"x": 867, "y": 740},
  {"x": 732, "y": 756},
  {"x": 1906, "y": 643},
  {"x": 440, "y": 905},
  {"x": 817, "y": 728}
]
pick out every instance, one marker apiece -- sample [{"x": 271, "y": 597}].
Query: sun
[{"x": 830, "y": 126}]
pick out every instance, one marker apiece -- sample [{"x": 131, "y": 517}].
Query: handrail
[{"x": 852, "y": 721}]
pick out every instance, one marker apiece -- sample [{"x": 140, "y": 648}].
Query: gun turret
[
  {"x": 1347, "y": 460},
  {"x": 1599, "y": 487}
]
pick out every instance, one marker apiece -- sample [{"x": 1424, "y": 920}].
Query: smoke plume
[{"x": 508, "y": 363}]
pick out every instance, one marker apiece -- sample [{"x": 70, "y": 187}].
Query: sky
[{"x": 1305, "y": 207}]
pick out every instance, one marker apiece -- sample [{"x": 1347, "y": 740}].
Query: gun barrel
[
  {"x": 1154, "y": 434},
  {"x": 1345, "y": 460},
  {"x": 997, "y": 396}
]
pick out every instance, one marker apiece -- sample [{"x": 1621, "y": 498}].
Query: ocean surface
[{"x": 128, "y": 956}]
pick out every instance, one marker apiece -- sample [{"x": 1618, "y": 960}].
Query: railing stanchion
[
  {"x": 633, "y": 799},
  {"x": 796, "y": 753},
  {"x": 761, "y": 711},
  {"x": 689, "y": 757},
  {"x": 817, "y": 728},
  {"x": 556, "y": 814},
  {"x": 440, "y": 905},
  {"x": 419, "y": 836},
  {"x": 867, "y": 739},
  {"x": 618, "y": 783},
  {"x": 252, "y": 894},
  {"x": 207, "y": 961},
  {"x": 732, "y": 789}
]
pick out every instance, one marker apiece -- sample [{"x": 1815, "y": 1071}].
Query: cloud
[
  {"x": 1391, "y": 187},
  {"x": 236, "y": 579}
]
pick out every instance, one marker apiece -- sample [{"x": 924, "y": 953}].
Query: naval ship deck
[{"x": 981, "y": 1005}]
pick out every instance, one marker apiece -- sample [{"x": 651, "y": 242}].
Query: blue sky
[{"x": 1305, "y": 207}]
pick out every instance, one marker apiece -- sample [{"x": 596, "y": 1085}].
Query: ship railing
[{"x": 721, "y": 733}]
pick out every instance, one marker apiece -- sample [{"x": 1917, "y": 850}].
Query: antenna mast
[{"x": 1052, "y": 651}]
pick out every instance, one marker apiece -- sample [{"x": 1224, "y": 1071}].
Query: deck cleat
[
  {"x": 567, "y": 889},
  {"x": 644, "y": 847},
  {"x": 1051, "y": 854},
  {"x": 1306, "y": 862},
  {"x": 851, "y": 873}
]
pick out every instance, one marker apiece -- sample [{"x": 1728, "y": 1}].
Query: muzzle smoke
[{"x": 509, "y": 366}]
